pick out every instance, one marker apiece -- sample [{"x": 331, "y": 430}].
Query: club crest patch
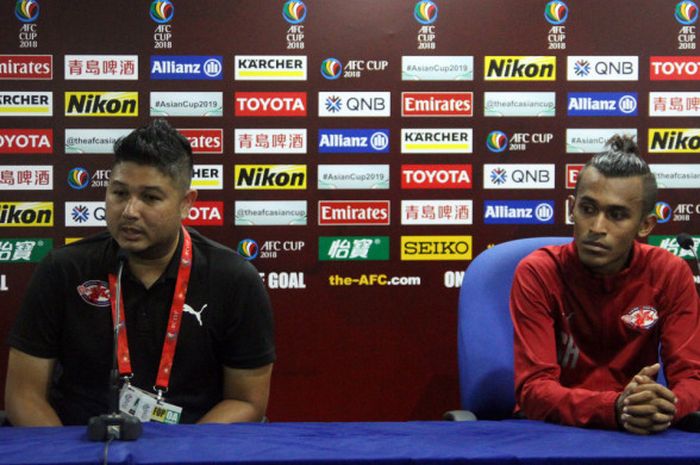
[
  {"x": 641, "y": 318},
  {"x": 95, "y": 293}
]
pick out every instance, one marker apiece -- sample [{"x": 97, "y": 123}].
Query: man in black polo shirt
[{"x": 198, "y": 319}]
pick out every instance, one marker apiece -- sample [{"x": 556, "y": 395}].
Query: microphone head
[
  {"x": 122, "y": 255},
  {"x": 685, "y": 241}
]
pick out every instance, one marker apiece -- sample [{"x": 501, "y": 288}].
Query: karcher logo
[
  {"x": 26, "y": 214},
  {"x": 269, "y": 177},
  {"x": 102, "y": 103},
  {"x": 436, "y": 248},
  {"x": 520, "y": 68},
  {"x": 674, "y": 140}
]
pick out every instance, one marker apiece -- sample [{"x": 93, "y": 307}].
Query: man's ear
[
  {"x": 571, "y": 200},
  {"x": 187, "y": 202},
  {"x": 647, "y": 224}
]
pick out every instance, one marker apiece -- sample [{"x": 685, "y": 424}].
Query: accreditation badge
[{"x": 146, "y": 407}]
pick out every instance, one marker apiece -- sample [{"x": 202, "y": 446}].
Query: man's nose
[
  {"x": 131, "y": 209},
  {"x": 599, "y": 225}
]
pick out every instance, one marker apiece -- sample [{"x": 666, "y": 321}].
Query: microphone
[
  {"x": 686, "y": 242},
  {"x": 115, "y": 425}
]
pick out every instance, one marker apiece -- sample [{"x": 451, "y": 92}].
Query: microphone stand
[{"x": 115, "y": 425}]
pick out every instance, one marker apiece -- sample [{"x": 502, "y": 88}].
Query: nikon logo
[
  {"x": 102, "y": 103},
  {"x": 21, "y": 214},
  {"x": 674, "y": 140},
  {"x": 520, "y": 68},
  {"x": 268, "y": 177}
]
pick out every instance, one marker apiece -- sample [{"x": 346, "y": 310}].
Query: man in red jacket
[{"x": 590, "y": 316}]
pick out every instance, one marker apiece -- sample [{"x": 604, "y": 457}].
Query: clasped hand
[{"x": 645, "y": 406}]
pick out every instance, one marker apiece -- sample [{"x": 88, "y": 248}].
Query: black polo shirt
[{"x": 66, "y": 315}]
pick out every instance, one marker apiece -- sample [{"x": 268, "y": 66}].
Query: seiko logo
[
  {"x": 26, "y": 140},
  {"x": 26, "y": 67},
  {"x": 270, "y": 104},
  {"x": 520, "y": 68},
  {"x": 436, "y": 248},
  {"x": 342, "y": 212},
  {"x": 102, "y": 103}
]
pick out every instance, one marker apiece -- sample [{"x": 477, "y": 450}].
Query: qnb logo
[
  {"x": 663, "y": 212},
  {"x": 499, "y": 176},
  {"x": 334, "y": 104},
  {"x": 582, "y": 68},
  {"x": 686, "y": 13},
  {"x": 27, "y": 11},
  {"x": 331, "y": 68},
  {"x": 425, "y": 12},
  {"x": 80, "y": 214},
  {"x": 162, "y": 11},
  {"x": 294, "y": 12},
  {"x": 556, "y": 12}
]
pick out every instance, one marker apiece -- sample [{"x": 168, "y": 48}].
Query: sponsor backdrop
[{"x": 360, "y": 155}]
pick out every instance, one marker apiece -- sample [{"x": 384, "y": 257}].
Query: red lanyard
[{"x": 171, "y": 333}]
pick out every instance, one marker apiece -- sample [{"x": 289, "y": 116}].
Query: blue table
[{"x": 506, "y": 442}]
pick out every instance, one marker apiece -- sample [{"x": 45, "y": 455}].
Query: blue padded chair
[{"x": 485, "y": 331}]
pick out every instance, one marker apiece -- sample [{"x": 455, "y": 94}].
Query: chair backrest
[{"x": 485, "y": 330}]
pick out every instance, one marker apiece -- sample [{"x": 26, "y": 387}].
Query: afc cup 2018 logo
[
  {"x": 294, "y": 11},
  {"x": 248, "y": 249},
  {"x": 162, "y": 11},
  {"x": 686, "y": 12},
  {"x": 331, "y": 68},
  {"x": 78, "y": 178},
  {"x": 663, "y": 212},
  {"x": 27, "y": 11},
  {"x": 497, "y": 141},
  {"x": 556, "y": 12},
  {"x": 425, "y": 12}
]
